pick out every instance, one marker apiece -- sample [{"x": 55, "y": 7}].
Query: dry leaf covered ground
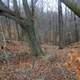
[{"x": 56, "y": 65}]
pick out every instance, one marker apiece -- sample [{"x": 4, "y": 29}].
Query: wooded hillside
[{"x": 39, "y": 39}]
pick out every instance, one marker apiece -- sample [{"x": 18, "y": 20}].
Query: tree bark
[
  {"x": 60, "y": 20},
  {"x": 34, "y": 43}
]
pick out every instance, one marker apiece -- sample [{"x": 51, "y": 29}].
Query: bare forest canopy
[{"x": 72, "y": 4}]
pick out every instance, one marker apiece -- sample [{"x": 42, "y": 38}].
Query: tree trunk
[
  {"x": 26, "y": 24},
  {"x": 76, "y": 29},
  {"x": 33, "y": 42},
  {"x": 60, "y": 20}
]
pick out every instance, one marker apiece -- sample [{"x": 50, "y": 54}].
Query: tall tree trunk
[
  {"x": 34, "y": 43},
  {"x": 8, "y": 22},
  {"x": 76, "y": 29},
  {"x": 60, "y": 25}
]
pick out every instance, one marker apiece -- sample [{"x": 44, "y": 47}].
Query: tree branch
[
  {"x": 73, "y": 5},
  {"x": 5, "y": 11}
]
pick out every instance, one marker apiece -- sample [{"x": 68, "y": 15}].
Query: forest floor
[{"x": 55, "y": 65}]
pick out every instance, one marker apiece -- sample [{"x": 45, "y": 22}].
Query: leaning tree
[
  {"x": 27, "y": 23},
  {"x": 74, "y": 5}
]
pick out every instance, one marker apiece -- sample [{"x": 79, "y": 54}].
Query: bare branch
[{"x": 5, "y": 11}]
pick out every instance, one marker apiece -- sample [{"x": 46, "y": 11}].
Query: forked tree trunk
[
  {"x": 30, "y": 31},
  {"x": 33, "y": 42}
]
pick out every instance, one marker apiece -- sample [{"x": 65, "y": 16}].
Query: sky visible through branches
[{"x": 50, "y": 5}]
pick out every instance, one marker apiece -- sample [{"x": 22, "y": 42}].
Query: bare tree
[{"x": 27, "y": 24}]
